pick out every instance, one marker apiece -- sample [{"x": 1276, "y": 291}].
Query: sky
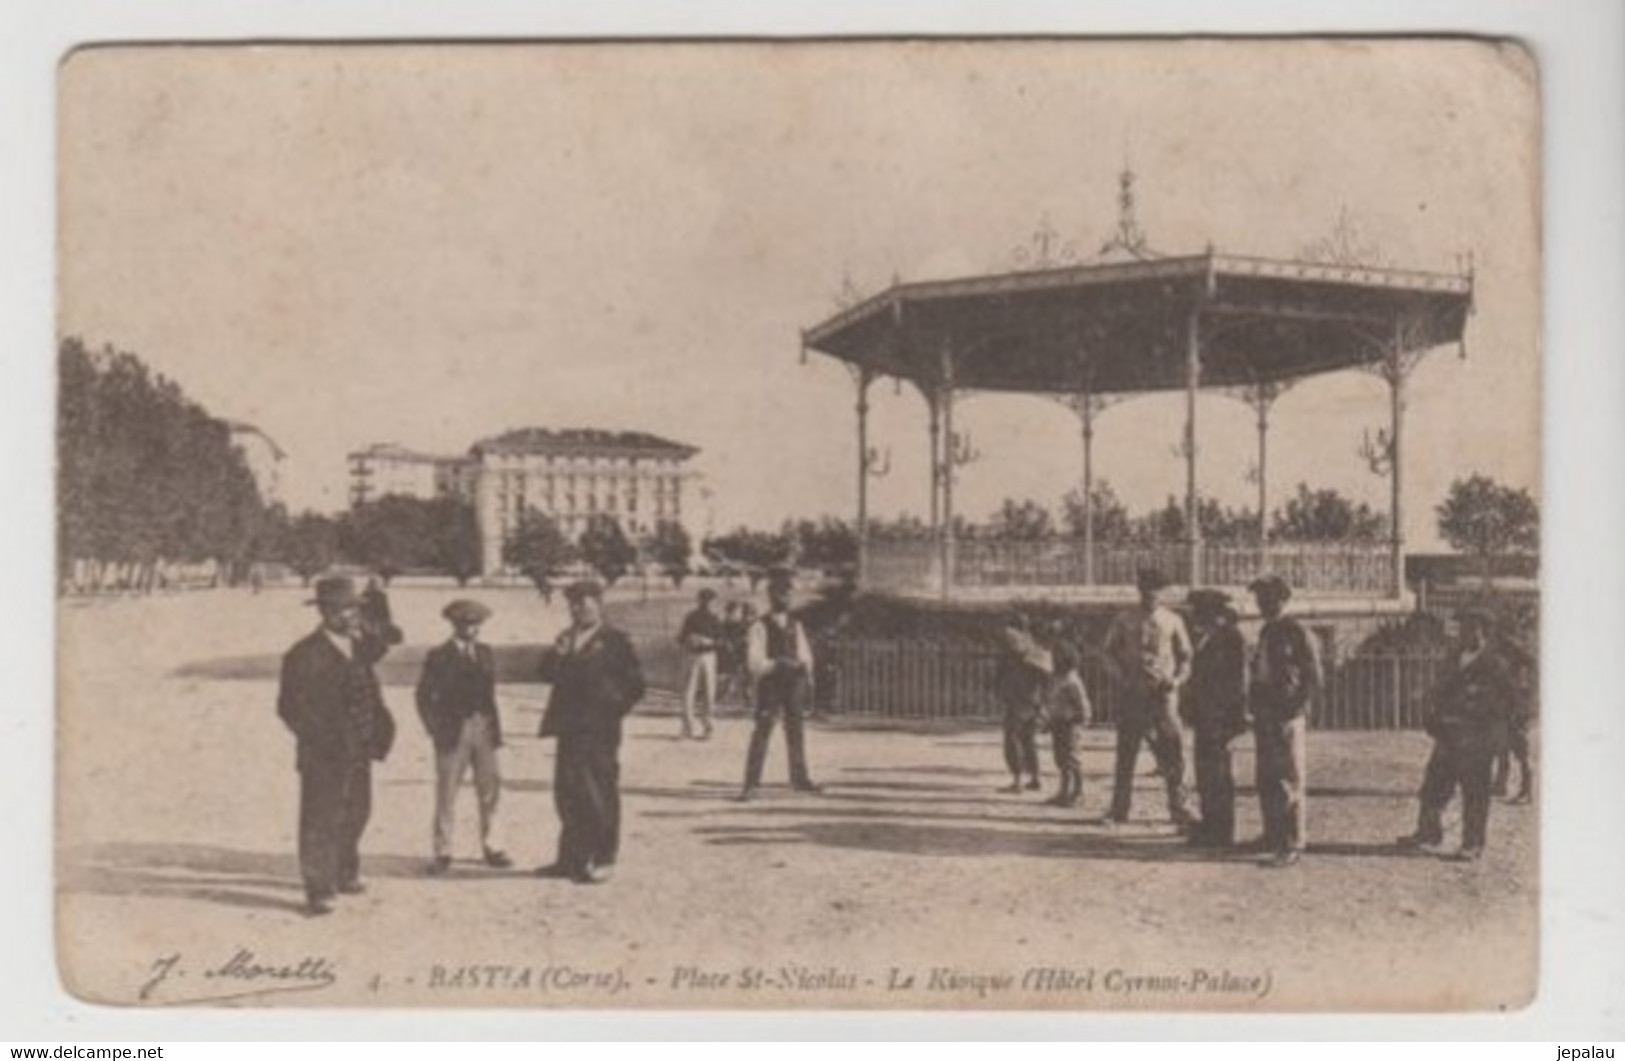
[{"x": 429, "y": 245}]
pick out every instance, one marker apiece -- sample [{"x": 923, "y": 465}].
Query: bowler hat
[
  {"x": 335, "y": 591},
  {"x": 707, "y": 594},
  {"x": 1149, "y": 578},
  {"x": 1270, "y": 586},
  {"x": 585, "y": 587},
  {"x": 466, "y": 611}
]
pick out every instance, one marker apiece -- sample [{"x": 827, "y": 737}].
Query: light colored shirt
[
  {"x": 756, "y": 658},
  {"x": 1151, "y": 647},
  {"x": 340, "y": 642}
]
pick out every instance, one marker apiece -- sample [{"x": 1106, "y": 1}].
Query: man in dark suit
[
  {"x": 1215, "y": 707},
  {"x": 596, "y": 681},
  {"x": 1284, "y": 683},
  {"x": 456, "y": 698},
  {"x": 1471, "y": 711},
  {"x": 329, "y": 698}
]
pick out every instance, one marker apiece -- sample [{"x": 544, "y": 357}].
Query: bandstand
[{"x": 1090, "y": 335}]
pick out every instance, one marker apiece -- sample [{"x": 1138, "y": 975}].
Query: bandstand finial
[{"x": 1129, "y": 238}]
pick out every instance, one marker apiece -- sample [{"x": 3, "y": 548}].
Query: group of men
[
  {"x": 329, "y": 697},
  {"x": 1169, "y": 676},
  {"x": 1208, "y": 678}
]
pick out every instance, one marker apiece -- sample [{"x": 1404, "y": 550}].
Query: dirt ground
[{"x": 910, "y": 883}]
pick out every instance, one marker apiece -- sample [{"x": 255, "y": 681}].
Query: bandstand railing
[
  {"x": 1352, "y": 568},
  {"x": 923, "y": 680}
]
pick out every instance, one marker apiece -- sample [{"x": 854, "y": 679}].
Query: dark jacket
[
  {"x": 1472, "y": 705},
  {"x": 332, "y": 704},
  {"x": 1019, "y": 687},
  {"x": 1285, "y": 673},
  {"x": 594, "y": 687},
  {"x": 453, "y": 688},
  {"x": 1215, "y": 697}
]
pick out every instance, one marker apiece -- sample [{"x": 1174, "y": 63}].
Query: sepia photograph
[{"x": 899, "y": 524}]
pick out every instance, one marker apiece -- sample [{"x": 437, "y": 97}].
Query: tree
[
  {"x": 605, "y": 546},
  {"x": 828, "y": 544},
  {"x": 1106, "y": 512},
  {"x": 905, "y": 528},
  {"x": 671, "y": 548},
  {"x": 145, "y": 474},
  {"x": 390, "y": 535},
  {"x": 755, "y": 551},
  {"x": 1023, "y": 521},
  {"x": 455, "y": 535},
  {"x": 538, "y": 548},
  {"x": 1326, "y": 516},
  {"x": 1484, "y": 518},
  {"x": 311, "y": 545}
]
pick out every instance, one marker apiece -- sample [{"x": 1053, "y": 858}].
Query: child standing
[{"x": 1069, "y": 712}]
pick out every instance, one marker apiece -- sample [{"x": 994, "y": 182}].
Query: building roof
[
  {"x": 1125, "y": 327},
  {"x": 576, "y": 441},
  {"x": 396, "y": 452}
]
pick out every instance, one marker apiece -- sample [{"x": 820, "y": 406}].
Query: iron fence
[{"x": 939, "y": 680}]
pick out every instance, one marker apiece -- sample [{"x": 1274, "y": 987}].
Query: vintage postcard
[{"x": 910, "y": 524}]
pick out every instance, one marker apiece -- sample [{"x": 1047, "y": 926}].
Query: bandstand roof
[{"x": 1125, "y": 327}]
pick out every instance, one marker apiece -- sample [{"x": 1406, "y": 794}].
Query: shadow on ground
[
  {"x": 229, "y": 877},
  {"x": 516, "y": 664}
]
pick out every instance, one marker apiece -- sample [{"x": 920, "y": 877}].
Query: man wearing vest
[
  {"x": 1284, "y": 683},
  {"x": 329, "y": 698},
  {"x": 780, "y": 661},
  {"x": 456, "y": 698}
]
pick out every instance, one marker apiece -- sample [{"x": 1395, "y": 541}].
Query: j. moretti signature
[{"x": 243, "y": 975}]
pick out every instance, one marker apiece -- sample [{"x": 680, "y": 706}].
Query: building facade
[
  {"x": 388, "y": 468},
  {"x": 570, "y": 476}
]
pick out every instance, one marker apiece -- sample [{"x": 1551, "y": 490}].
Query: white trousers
[
  {"x": 702, "y": 675},
  {"x": 477, "y": 749}
]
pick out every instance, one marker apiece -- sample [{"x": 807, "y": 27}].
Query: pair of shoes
[
  {"x": 1283, "y": 859},
  {"x": 746, "y": 794},
  {"x": 1033, "y": 785},
  {"x": 1468, "y": 854},
  {"x": 439, "y": 867},
  {"x": 556, "y": 871},
  {"x": 497, "y": 859},
  {"x": 1414, "y": 840},
  {"x": 811, "y": 787},
  {"x": 317, "y": 906},
  {"x": 706, "y": 735},
  {"x": 1057, "y": 800},
  {"x": 352, "y": 887},
  {"x": 1011, "y": 789}
]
